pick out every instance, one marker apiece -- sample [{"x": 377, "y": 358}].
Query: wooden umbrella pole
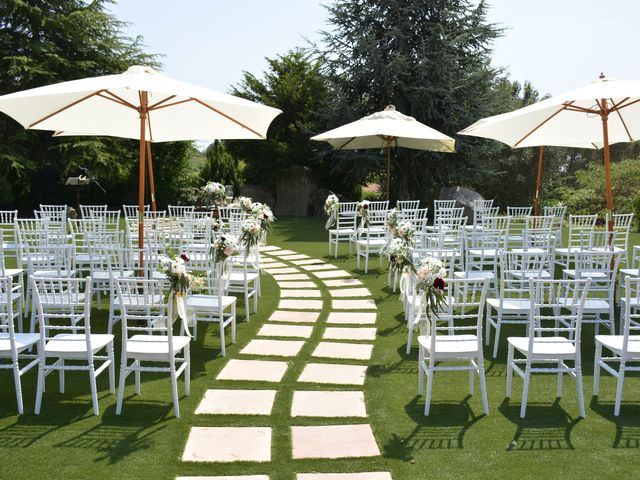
[
  {"x": 607, "y": 165},
  {"x": 141, "y": 184},
  {"x": 536, "y": 202},
  {"x": 388, "y": 167},
  {"x": 152, "y": 186}
]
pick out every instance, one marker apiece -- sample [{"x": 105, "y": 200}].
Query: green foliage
[
  {"x": 6, "y": 191},
  {"x": 588, "y": 195},
  {"x": 294, "y": 84},
  {"x": 171, "y": 169},
  {"x": 635, "y": 208},
  {"x": 220, "y": 166}
]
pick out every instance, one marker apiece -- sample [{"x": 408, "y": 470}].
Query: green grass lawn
[{"x": 455, "y": 442}]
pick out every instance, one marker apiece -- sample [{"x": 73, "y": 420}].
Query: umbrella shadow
[
  {"x": 627, "y": 423},
  {"x": 544, "y": 427}
]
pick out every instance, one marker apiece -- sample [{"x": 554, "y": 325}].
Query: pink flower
[
  {"x": 185, "y": 257},
  {"x": 228, "y": 250}
]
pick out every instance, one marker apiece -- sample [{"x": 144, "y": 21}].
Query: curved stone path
[{"x": 327, "y": 389}]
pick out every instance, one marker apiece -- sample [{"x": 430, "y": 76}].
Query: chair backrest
[
  {"x": 379, "y": 206},
  {"x": 481, "y": 204},
  {"x": 55, "y": 214},
  {"x": 180, "y": 210},
  {"x": 462, "y": 313},
  {"x": 132, "y": 210},
  {"x": 63, "y": 306},
  {"x": 522, "y": 265},
  {"x": 519, "y": 211},
  {"x": 581, "y": 228},
  {"x": 600, "y": 266},
  {"x": 9, "y": 231},
  {"x": 408, "y": 204},
  {"x": 54, "y": 259},
  {"x": 622, "y": 226},
  {"x": 144, "y": 311},
  {"x": 556, "y": 310},
  {"x": 237, "y": 219},
  {"x": 447, "y": 218},
  {"x": 439, "y": 204},
  {"x": 539, "y": 233},
  {"x": 483, "y": 211},
  {"x": 92, "y": 210},
  {"x": 7, "y": 315},
  {"x": 631, "y": 316}
]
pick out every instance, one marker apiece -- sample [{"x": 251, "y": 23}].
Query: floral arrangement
[
  {"x": 222, "y": 249},
  {"x": 406, "y": 232},
  {"x": 245, "y": 204},
  {"x": 331, "y": 207},
  {"x": 264, "y": 215},
  {"x": 399, "y": 256},
  {"x": 251, "y": 233},
  {"x": 392, "y": 220},
  {"x": 363, "y": 213},
  {"x": 180, "y": 282},
  {"x": 430, "y": 280},
  {"x": 215, "y": 192}
]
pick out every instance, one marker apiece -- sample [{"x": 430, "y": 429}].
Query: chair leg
[
  {"x": 233, "y": 323},
  {"x": 61, "y": 375},
  {"x": 596, "y": 369},
  {"x": 496, "y": 338},
  {"x": 580, "y": 392},
  {"x": 427, "y": 402},
  {"x": 616, "y": 409},
  {"x": 18, "y": 385},
  {"x": 525, "y": 391},
  {"x": 559, "y": 386},
  {"x": 136, "y": 374},
  {"x": 223, "y": 350},
  {"x": 112, "y": 369},
  {"x": 483, "y": 388},
  {"x": 409, "y": 336},
  {"x": 472, "y": 375},
  {"x": 509, "y": 371},
  {"x": 94, "y": 389},
  {"x": 123, "y": 376},
  {"x": 187, "y": 371},
  {"x": 174, "y": 390},
  {"x": 40, "y": 388},
  {"x": 420, "y": 370}
]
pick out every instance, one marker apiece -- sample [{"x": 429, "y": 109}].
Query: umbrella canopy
[
  {"x": 384, "y": 129},
  {"x": 596, "y": 115},
  {"x": 140, "y": 104}
]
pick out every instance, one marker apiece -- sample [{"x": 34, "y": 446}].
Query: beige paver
[
  {"x": 275, "y": 330},
  {"x": 334, "y": 441},
  {"x": 236, "y": 402},
  {"x": 336, "y": 374},
  {"x": 346, "y": 351},
  {"x": 343, "y": 282},
  {"x": 290, "y": 276},
  {"x": 353, "y": 304},
  {"x": 295, "y": 256},
  {"x": 276, "y": 348},
  {"x": 283, "y": 253},
  {"x": 309, "y": 261},
  {"x": 328, "y": 404},
  {"x": 300, "y": 293},
  {"x": 352, "y": 318},
  {"x": 253, "y": 370},
  {"x": 317, "y": 267},
  {"x": 228, "y": 444},
  {"x": 350, "y": 292},
  {"x": 345, "y": 476},
  {"x": 278, "y": 271},
  {"x": 347, "y": 333},
  {"x": 294, "y": 316},
  {"x": 268, "y": 260},
  {"x": 299, "y": 284},
  {"x": 300, "y": 304},
  {"x": 273, "y": 266},
  {"x": 226, "y": 477},
  {"x": 269, "y": 248},
  {"x": 332, "y": 274}
]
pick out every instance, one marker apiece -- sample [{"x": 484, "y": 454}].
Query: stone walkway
[{"x": 338, "y": 358}]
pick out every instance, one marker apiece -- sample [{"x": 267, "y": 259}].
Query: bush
[{"x": 635, "y": 206}]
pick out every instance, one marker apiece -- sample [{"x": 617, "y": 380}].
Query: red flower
[
  {"x": 439, "y": 284},
  {"x": 185, "y": 257},
  {"x": 365, "y": 206}
]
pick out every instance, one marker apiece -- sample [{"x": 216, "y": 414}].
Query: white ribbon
[
  {"x": 333, "y": 218},
  {"x": 177, "y": 307}
]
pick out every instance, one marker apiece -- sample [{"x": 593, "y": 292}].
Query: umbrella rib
[
  {"x": 115, "y": 98},
  {"x": 575, "y": 108},
  {"x": 626, "y": 129},
  {"x": 346, "y": 143},
  {"x": 152, "y": 106},
  {"x": 226, "y": 116},
  {"x": 622, "y": 105},
  {"x": 543, "y": 122},
  {"x": 60, "y": 110},
  {"x": 157, "y": 106}
]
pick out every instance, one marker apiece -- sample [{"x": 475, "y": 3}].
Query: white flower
[{"x": 331, "y": 204}]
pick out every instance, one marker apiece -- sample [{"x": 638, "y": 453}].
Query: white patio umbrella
[
  {"x": 140, "y": 104},
  {"x": 384, "y": 129},
  {"x": 596, "y": 115}
]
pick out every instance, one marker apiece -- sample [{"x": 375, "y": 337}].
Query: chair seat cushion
[
  {"x": 132, "y": 301},
  {"x": 108, "y": 275},
  {"x": 23, "y": 341},
  {"x": 519, "y": 305},
  {"x": 483, "y": 252},
  {"x": 614, "y": 343},
  {"x": 450, "y": 344},
  {"x": 526, "y": 274},
  {"x": 597, "y": 275},
  {"x": 203, "y": 302},
  {"x": 13, "y": 272},
  {"x": 475, "y": 275},
  {"x": 544, "y": 346},
  {"x": 238, "y": 277},
  {"x": 591, "y": 305},
  {"x": 342, "y": 231},
  {"x": 154, "y": 344},
  {"x": 630, "y": 272},
  {"x": 65, "y": 343}
]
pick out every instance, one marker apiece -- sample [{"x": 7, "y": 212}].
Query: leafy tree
[
  {"x": 431, "y": 59},
  {"x": 50, "y": 41},
  {"x": 221, "y": 166},
  {"x": 294, "y": 84}
]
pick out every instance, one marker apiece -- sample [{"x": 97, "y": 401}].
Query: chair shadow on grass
[
  {"x": 117, "y": 437},
  {"x": 407, "y": 364},
  {"x": 545, "y": 427},
  {"x": 627, "y": 424},
  {"x": 444, "y": 428}
]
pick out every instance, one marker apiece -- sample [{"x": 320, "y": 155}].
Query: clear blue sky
[{"x": 556, "y": 44}]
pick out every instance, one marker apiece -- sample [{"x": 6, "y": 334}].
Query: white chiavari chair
[
  {"x": 580, "y": 238},
  {"x": 9, "y": 234},
  {"x": 87, "y": 211},
  {"x": 345, "y": 227},
  {"x": 371, "y": 238}
]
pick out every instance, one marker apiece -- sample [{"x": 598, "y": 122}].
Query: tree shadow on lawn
[
  {"x": 627, "y": 424},
  {"x": 444, "y": 428},
  {"x": 544, "y": 427},
  {"x": 119, "y": 436}
]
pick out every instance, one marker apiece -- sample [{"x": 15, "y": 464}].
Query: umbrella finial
[
  {"x": 602, "y": 76},
  {"x": 390, "y": 108}
]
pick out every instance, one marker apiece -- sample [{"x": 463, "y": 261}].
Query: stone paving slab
[
  {"x": 300, "y": 293},
  {"x": 228, "y": 444},
  {"x": 350, "y": 292},
  {"x": 253, "y": 370},
  {"x": 276, "y": 348},
  {"x": 291, "y": 276},
  {"x": 295, "y": 256},
  {"x": 310, "y": 261},
  {"x": 336, "y": 374},
  {"x": 268, "y": 260},
  {"x": 294, "y": 317},
  {"x": 346, "y": 333},
  {"x": 353, "y": 304},
  {"x": 343, "y": 282},
  {"x": 273, "y": 265},
  {"x": 275, "y": 330},
  {"x": 234, "y": 477},
  {"x": 269, "y": 248},
  {"x": 283, "y": 253},
  {"x": 236, "y": 402},
  {"x": 328, "y": 404},
  {"x": 298, "y": 284},
  {"x": 318, "y": 267},
  {"x": 352, "y": 318},
  {"x": 300, "y": 304},
  {"x": 276, "y": 271},
  {"x": 334, "y": 441},
  {"x": 332, "y": 274},
  {"x": 345, "y": 351},
  {"x": 345, "y": 476}
]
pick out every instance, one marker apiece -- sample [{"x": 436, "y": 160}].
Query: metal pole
[
  {"x": 388, "y": 167},
  {"x": 141, "y": 184},
  {"x": 607, "y": 165},
  {"x": 152, "y": 187},
  {"x": 536, "y": 202}
]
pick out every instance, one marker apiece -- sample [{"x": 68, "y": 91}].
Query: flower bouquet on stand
[
  {"x": 405, "y": 232},
  {"x": 331, "y": 207},
  {"x": 430, "y": 285},
  {"x": 250, "y": 235},
  {"x": 245, "y": 204},
  {"x": 181, "y": 283},
  {"x": 363, "y": 213},
  {"x": 399, "y": 256},
  {"x": 223, "y": 248},
  {"x": 392, "y": 221},
  {"x": 263, "y": 214},
  {"x": 215, "y": 193}
]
